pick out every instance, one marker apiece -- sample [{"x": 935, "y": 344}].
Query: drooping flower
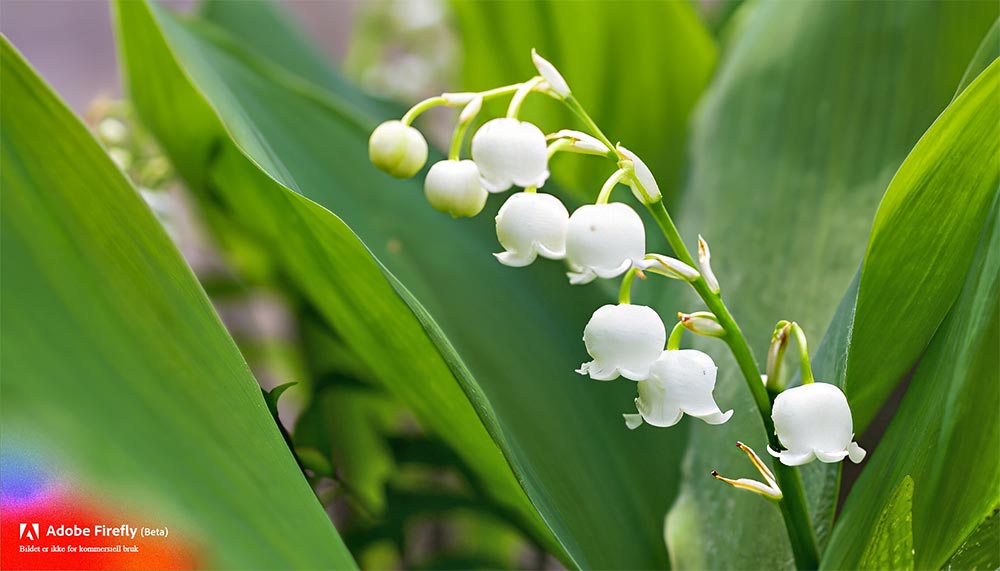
[
  {"x": 453, "y": 187},
  {"x": 814, "y": 421},
  {"x": 510, "y": 152},
  {"x": 623, "y": 340},
  {"x": 531, "y": 224},
  {"x": 680, "y": 382},
  {"x": 604, "y": 240},
  {"x": 397, "y": 149}
]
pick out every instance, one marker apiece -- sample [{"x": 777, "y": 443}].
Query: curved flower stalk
[{"x": 607, "y": 239}]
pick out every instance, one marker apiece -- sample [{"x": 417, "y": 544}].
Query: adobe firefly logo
[{"x": 29, "y": 531}]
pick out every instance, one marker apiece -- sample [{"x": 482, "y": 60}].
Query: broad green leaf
[
  {"x": 945, "y": 431},
  {"x": 115, "y": 365},
  {"x": 640, "y": 86},
  {"x": 286, "y": 44},
  {"x": 922, "y": 241},
  {"x": 890, "y": 545},
  {"x": 485, "y": 358},
  {"x": 794, "y": 144},
  {"x": 979, "y": 550}
]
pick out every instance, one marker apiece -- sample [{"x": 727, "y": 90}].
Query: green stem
[
  {"x": 674, "y": 341},
  {"x": 419, "y": 108},
  {"x": 609, "y": 185},
  {"x": 520, "y": 95},
  {"x": 625, "y": 293},
  {"x": 807, "y": 370},
  {"x": 794, "y": 509}
]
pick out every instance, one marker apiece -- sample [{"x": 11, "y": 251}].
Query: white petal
[
  {"x": 509, "y": 152},
  {"x": 516, "y": 259},
  {"x": 632, "y": 421},
  {"x": 550, "y": 73},
  {"x": 644, "y": 175},
  {"x": 856, "y": 453},
  {"x": 530, "y": 223},
  {"x": 789, "y": 458},
  {"x": 688, "y": 379},
  {"x": 581, "y": 276},
  {"x": 830, "y": 457},
  {"x": 599, "y": 372},
  {"x": 603, "y": 237},
  {"x": 623, "y": 339},
  {"x": 655, "y": 405},
  {"x": 815, "y": 416},
  {"x": 453, "y": 187}
]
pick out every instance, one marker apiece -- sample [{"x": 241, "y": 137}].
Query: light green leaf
[
  {"x": 921, "y": 244},
  {"x": 794, "y": 144},
  {"x": 890, "y": 545},
  {"x": 485, "y": 358},
  {"x": 115, "y": 365},
  {"x": 945, "y": 431},
  {"x": 642, "y": 86}
]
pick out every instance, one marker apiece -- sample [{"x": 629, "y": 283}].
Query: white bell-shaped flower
[
  {"x": 814, "y": 421},
  {"x": 510, "y": 152},
  {"x": 453, "y": 187},
  {"x": 397, "y": 149},
  {"x": 604, "y": 240},
  {"x": 531, "y": 224},
  {"x": 680, "y": 382},
  {"x": 623, "y": 340}
]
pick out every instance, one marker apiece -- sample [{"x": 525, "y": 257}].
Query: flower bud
[
  {"x": 644, "y": 177},
  {"x": 703, "y": 323},
  {"x": 679, "y": 382},
  {"x": 603, "y": 240},
  {"x": 705, "y": 262},
  {"x": 580, "y": 142},
  {"x": 397, "y": 149},
  {"x": 453, "y": 187},
  {"x": 623, "y": 340},
  {"x": 814, "y": 421},
  {"x": 670, "y": 267},
  {"x": 530, "y": 224},
  {"x": 510, "y": 152},
  {"x": 550, "y": 73}
]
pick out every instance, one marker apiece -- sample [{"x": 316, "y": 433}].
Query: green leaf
[
  {"x": 642, "y": 87},
  {"x": 922, "y": 241},
  {"x": 979, "y": 550},
  {"x": 485, "y": 358},
  {"x": 945, "y": 431},
  {"x": 115, "y": 365},
  {"x": 794, "y": 144},
  {"x": 891, "y": 543},
  {"x": 271, "y": 397},
  {"x": 286, "y": 44}
]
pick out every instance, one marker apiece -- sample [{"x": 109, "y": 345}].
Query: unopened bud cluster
[{"x": 607, "y": 239}]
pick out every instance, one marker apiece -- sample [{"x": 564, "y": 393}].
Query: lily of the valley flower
[
  {"x": 680, "y": 382},
  {"x": 453, "y": 187},
  {"x": 510, "y": 152},
  {"x": 580, "y": 141},
  {"x": 623, "y": 340},
  {"x": 531, "y": 224},
  {"x": 814, "y": 421},
  {"x": 397, "y": 149},
  {"x": 551, "y": 74},
  {"x": 604, "y": 240},
  {"x": 650, "y": 192}
]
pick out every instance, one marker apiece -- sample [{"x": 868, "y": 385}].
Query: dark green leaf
[
  {"x": 115, "y": 365},
  {"x": 890, "y": 545},
  {"x": 979, "y": 551}
]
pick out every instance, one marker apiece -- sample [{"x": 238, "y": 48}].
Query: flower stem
[
  {"x": 674, "y": 341},
  {"x": 625, "y": 293},
  {"x": 609, "y": 185},
  {"x": 520, "y": 95},
  {"x": 419, "y": 108},
  {"x": 794, "y": 509}
]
